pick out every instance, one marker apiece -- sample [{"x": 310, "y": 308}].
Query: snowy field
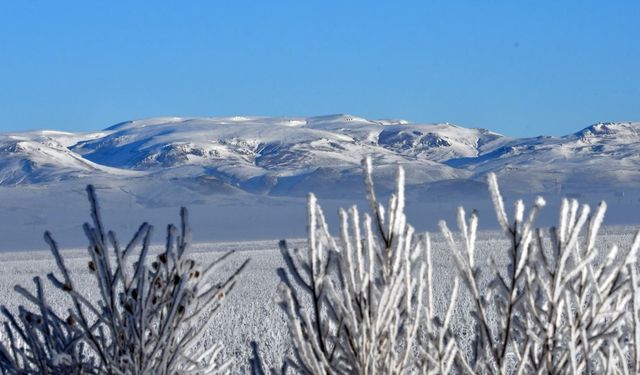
[{"x": 251, "y": 312}]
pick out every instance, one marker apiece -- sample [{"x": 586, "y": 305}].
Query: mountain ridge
[{"x": 283, "y": 156}]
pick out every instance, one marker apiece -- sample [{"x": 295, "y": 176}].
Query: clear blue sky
[{"x": 517, "y": 67}]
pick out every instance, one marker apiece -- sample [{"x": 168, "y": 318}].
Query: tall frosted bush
[
  {"x": 353, "y": 304},
  {"x": 562, "y": 305}
]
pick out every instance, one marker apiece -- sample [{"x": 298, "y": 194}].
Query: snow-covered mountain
[
  {"x": 291, "y": 156},
  {"x": 41, "y": 157}
]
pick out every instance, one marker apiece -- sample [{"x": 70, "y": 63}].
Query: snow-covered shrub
[
  {"x": 353, "y": 305},
  {"x": 148, "y": 318},
  {"x": 562, "y": 305},
  {"x": 364, "y": 304}
]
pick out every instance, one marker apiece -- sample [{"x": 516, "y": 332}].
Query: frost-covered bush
[
  {"x": 148, "y": 318},
  {"x": 364, "y": 303},
  {"x": 561, "y": 306},
  {"x": 353, "y": 305}
]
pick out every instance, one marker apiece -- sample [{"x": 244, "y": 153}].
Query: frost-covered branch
[{"x": 505, "y": 332}]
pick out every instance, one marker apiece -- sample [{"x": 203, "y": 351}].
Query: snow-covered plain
[{"x": 250, "y": 312}]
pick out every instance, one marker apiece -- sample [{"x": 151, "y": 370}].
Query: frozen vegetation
[{"x": 251, "y": 311}]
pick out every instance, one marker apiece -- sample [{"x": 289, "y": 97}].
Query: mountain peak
[{"x": 610, "y": 130}]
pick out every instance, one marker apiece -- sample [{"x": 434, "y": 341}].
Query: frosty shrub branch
[{"x": 148, "y": 317}]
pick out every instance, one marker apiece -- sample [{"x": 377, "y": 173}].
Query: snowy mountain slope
[
  {"x": 282, "y": 156},
  {"x": 603, "y": 156},
  {"x": 41, "y": 157},
  {"x": 292, "y": 156}
]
